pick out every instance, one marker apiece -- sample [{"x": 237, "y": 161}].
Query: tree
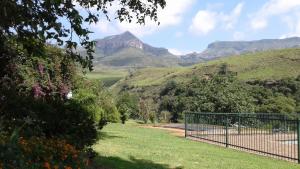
[
  {"x": 143, "y": 110},
  {"x": 279, "y": 104},
  {"x": 221, "y": 93},
  {"x": 124, "y": 112},
  {"x": 35, "y": 76},
  {"x": 127, "y": 105},
  {"x": 32, "y": 22}
]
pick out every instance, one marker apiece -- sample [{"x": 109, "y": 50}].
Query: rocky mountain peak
[
  {"x": 114, "y": 43},
  {"x": 128, "y": 35}
]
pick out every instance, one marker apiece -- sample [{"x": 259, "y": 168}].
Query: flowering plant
[{"x": 37, "y": 152}]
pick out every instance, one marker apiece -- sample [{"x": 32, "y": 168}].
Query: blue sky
[{"x": 190, "y": 25}]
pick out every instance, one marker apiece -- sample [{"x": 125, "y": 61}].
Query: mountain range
[
  {"x": 126, "y": 50},
  {"x": 230, "y": 48}
]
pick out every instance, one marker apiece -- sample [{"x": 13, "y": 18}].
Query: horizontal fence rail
[{"x": 267, "y": 134}]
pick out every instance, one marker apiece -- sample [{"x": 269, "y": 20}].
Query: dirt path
[{"x": 176, "y": 132}]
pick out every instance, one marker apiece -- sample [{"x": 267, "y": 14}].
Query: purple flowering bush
[{"x": 36, "y": 88}]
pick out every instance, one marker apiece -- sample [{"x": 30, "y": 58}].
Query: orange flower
[
  {"x": 56, "y": 167},
  {"x": 47, "y": 165},
  {"x": 75, "y": 156},
  {"x": 67, "y": 167}
]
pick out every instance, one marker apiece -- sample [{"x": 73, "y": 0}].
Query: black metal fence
[{"x": 266, "y": 134}]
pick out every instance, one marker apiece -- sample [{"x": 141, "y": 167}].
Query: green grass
[
  {"x": 273, "y": 64},
  {"x": 153, "y": 76},
  {"x": 108, "y": 76},
  {"x": 132, "y": 147}
]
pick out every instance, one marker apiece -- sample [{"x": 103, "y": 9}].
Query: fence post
[
  {"x": 226, "y": 128},
  {"x": 239, "y": 124},
  {"x": 298, "y": 139},
  {"x": 185, "y": 125}
]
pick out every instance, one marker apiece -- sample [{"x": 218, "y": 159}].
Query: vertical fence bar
[
  {"x": 239, "y": 124},
  {"x": 298, "y": 139},
  {"x": 185, "y": 125},
  {"x": 226, "y": 130}
]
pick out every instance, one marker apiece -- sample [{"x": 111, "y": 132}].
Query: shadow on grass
[
  {"x": 140, "y": 122},
  {"x": 101, "y": 162},
  {"x": 105, "y": 135}
]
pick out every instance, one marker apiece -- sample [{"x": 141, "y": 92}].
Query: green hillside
[
  {"x": 273, "y": 64},
  {"x": 132, "y": 57}
]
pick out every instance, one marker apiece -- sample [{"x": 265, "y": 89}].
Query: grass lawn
[
  {"x": 109, "y": 76},
  {"x": 133, "y": 147}
]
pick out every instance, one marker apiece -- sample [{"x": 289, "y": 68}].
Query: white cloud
[
  {"x": 171, "y": 15},
  {"x": 178, "y": 52},
  {"x": 293, "y": 24},
  {"x": 231, "y": 20},
  {"x": 206, "y": 20},
  {"x": 175, "y": 51},
  {"x": 104, "y": 26},
  {"x": 173, "y": 12},
  {"x": 259, "y": 20},
  {"x": 258, "y": 23}
]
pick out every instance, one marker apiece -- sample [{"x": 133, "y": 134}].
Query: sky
[{"x": 190, "y": 25}]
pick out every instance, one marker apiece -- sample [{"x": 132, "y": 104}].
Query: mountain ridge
[
  {"x": 220, "y": 49},
  {"x": 126, "y": 50}
]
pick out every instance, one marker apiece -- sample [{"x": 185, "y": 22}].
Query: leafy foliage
[
  {"x": 219, "y": 94},
  {"x": 281, "y": 96},
  {"x": 18, "y": 152},
  {"x": 95, "y": 99},
  {"x": 36, "y": 79},
  {"x": 35, "y": 90},
  {"x": 226, "y": 94},
  {"x": 127, "y": 105},
  {"x": 32, "y": 23}
]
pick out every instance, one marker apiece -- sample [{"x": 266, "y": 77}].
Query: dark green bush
[{"x": 35, "y": 89}]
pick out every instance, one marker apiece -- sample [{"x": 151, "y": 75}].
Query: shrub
[
  {"x": 124, "y": 112},
  {"x": 36, "y": 88},
  {"x": 36, "y": 152},
  {"x": 152, "y": 117}
]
